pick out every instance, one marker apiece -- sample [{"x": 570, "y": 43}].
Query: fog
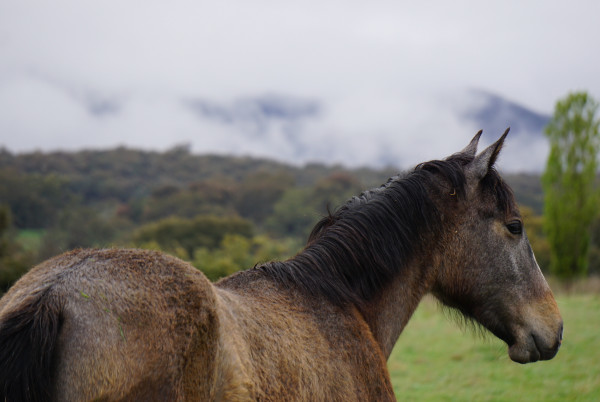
[{"x": 355, "y": 83}]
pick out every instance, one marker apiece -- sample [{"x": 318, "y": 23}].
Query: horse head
[{"x": 487, "y": 269}]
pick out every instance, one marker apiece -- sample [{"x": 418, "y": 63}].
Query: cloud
[
  {"x": 370, "y": 128},
  {"x": 350, "y": 82}
]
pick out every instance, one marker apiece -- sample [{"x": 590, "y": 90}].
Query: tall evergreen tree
[{"x": 571, "y": 194}]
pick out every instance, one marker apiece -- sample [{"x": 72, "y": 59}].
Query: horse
[{"x": 118, "y": 324}]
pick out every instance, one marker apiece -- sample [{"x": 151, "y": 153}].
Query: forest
[{"x": 220, "y": 213}]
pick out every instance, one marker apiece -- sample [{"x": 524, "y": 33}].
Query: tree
[
  {"x": 237, "y": 252},
  {"x": 14, "y": 260},
  {"x": 536, "y": 236},
  {"x": 571, "y": 195},
  {"x": 300, "y": 208},
  {"x": 181, "y": 236},
  {"x": 594, "y": 267}
]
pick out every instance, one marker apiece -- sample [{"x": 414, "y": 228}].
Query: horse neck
[
  {"x": 375, "y": 255},
  {"x": 389, "y": 312}
]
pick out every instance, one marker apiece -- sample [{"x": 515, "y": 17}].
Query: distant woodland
[{"x": 220, "y": 213}]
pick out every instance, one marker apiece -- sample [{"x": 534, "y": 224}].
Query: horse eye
[{"x": 515, "y": 227}]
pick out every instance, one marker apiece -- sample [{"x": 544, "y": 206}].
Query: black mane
[{"x": 352, "y": 253}]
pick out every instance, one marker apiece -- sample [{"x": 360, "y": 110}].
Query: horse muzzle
[{"x": 536, "y": 347}]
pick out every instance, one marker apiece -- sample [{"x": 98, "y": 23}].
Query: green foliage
[
  {"x": 239, "y": 253},
  {"x": 14, "y": 260},
  {"x": 299, "y": 208},
  {"x": 182, "y": 237},
  {"x": 534, "y": 225},
  {"x": 30, "y": 239},
  {"x": 207, "y": 197},
  {"x": 35, "y": 200},
  {"x": 571, "y": 198},
  {"x": 125, "y": 175},
  {"x": 78, "y": 227},
  {"x": 594, "y": 261},
  {"x": 293, "y": 215},
  {"x": 123, "y": 197},
  {"x": 528, "y": 190},
  {"x": 257, "y": 195}
]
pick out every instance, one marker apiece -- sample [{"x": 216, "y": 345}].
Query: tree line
[
  {"x": 221, "y": 213},
  {"x": 197, "y": 207}
]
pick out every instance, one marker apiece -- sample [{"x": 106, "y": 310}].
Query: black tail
[{"x": 28, "y": 336}]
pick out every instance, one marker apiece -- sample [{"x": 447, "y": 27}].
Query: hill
[
  {"x": 51, "y": 202},
  {"x": 127, "y": 176}
]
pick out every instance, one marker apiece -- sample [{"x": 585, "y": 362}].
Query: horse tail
[{"x": 28, "y": 337}]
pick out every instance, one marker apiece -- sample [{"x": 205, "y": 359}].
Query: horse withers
[{"x": 140, "y": 325}]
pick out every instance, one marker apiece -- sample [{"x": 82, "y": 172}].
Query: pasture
[{"x": 436, "y": 360}]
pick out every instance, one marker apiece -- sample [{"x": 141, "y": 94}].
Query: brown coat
[{"x": 141, "y": 325}]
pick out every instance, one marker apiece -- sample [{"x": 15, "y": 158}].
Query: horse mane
[{"x": 348, "y": 258}]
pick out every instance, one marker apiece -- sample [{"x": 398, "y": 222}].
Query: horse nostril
[{"x": 560, "y": 336}]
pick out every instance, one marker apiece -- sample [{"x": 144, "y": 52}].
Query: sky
[{"x": 355, "y": 83}]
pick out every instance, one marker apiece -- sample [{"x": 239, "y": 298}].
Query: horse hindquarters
[{"x": 109, "y": 324}]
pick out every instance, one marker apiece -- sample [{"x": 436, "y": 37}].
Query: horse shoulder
[{"x": 301, "y": 348}]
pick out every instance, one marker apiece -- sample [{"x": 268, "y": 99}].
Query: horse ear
[
  {"x": 486, "y": 159},
  {"x": 471, "y": 149}
]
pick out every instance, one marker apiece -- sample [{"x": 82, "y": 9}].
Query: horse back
[
  {"x": 292, "y": 346},
  {"x": 109, "y": 324}
]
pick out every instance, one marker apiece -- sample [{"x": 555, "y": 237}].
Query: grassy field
[
  {"x": 434, "y": 360},
  {"x": 30, "y": 239}
]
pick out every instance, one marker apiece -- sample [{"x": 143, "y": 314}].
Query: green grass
[
  {"x": 434, "y": 360},
  {"x": 30, "y": 239}
]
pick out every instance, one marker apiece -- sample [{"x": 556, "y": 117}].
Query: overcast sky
[{"x": 334, "y": 81}]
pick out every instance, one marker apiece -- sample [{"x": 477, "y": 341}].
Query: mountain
[
  {"x": 527, "y": 148},
  {"x": 496, "y": 111},
  {"x": 372, "y": 132},
  {"x": 360, "y": 127}
]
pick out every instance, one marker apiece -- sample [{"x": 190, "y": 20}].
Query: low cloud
[
  {"x": 356, "y": 83},
  {"x": 364, "y": 129}
]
